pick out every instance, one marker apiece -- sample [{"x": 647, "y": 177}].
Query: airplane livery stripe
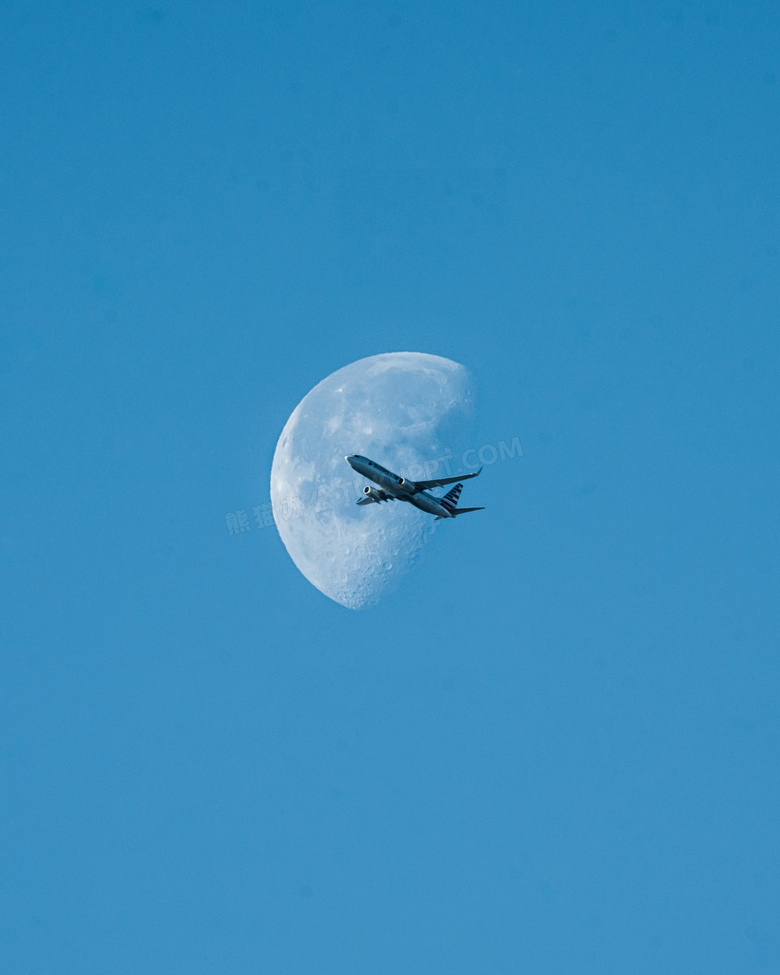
[{"x": 450, "y": 499}]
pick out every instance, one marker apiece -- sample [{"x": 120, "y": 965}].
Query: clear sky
[{"x": 555, "y": 747}]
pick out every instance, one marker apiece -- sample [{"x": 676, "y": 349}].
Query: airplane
[{"x": 395, "y": 488}]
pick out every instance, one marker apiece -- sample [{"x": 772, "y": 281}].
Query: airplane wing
[
  {"x": 373, "y": 499},
  {"x": 441, "y": 481}
]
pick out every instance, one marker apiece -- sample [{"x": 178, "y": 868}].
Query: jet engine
[{"x": 374, "y": 493}]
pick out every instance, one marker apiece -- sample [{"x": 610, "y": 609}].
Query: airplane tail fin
[
  {"x": 450, "y": 502},
  {"x": 450, "y": 499}
]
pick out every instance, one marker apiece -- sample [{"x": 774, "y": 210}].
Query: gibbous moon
[{"x": 402, "y": 409}]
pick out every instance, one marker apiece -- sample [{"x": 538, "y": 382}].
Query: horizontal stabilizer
[{"x": 458, "y": 511}]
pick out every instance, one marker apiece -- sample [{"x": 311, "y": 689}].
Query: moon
[{"x": 406, "y": 410}]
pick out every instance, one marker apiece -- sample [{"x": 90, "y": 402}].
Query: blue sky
[{"x": 555, "y": 747}]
